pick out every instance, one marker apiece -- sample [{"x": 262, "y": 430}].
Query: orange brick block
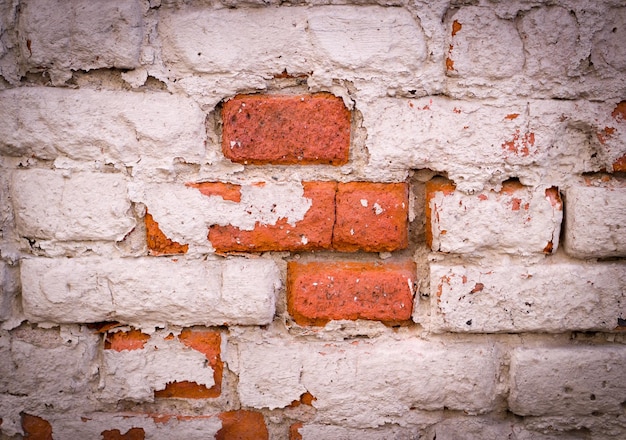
[
  {"x": 131, "y": 434},
  {"x": 130, "y": 340},
  {"x": 319, "y": 292},
  {"x": 242, "y": 425},
  {"x": 313, "y": 232},
  {"x": 272, "y": 129},
  {"x": 371, "y": 217},
  {"x": 227, "y": 191},
  {"x": 36, "y": 428}
]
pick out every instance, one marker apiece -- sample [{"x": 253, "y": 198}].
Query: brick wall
[{"x": 267, "y": 220}]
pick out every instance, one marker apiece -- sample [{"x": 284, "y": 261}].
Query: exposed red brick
[
  {"x": 511, "y": 116},
  {"x": 294, "y": 431},
  {"x": 130, "y": 340},
  {"x": 208, "y": 343},
  {"x": 619, "y": 166},
  {"x": 522, "y": 144},
  {"x": 305, "y": 399},
  {"x": 36, "y": 428},
  {"x": 372, "y": 217},
  {"x": 158, "y": 243},
  {"x": 242, "y": 425},
  {"x": 437, "y": 184},
  {"x": 554, "y": 196},
  {"x": 456, "y": 27},
  {"x": 186, "y": 390},
  {"x": 279, "y": 129},
  {"x": 131, "y": 434},
  {"x": 227, "y": 191},
  {"x": 319, "y": 292},
  {"x": 619, "y": 112},
  {"x": 313, "y": 232}
]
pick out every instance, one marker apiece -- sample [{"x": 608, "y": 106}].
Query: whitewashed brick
[
  {"x": 149, "y": 291},
  {"x": 319, "y": 431},
  {"x": 483, "y": 45},
  {"x": 370, "y": 383},
  {"x": 83, "y": 206},
  {"x": 387, "y": 39},
  {"x": 103, "y": 126},
  {"x": 136, "y": 374},
  {"x": 608, "y": 44},
  {"x": 64, "y": 35},
  {"x": 296, "y": 39},
  {"x": 517, "y": 220},
  {"x": 573, "y": 380},
  {"x": 595, "y": 225},
  {"x": 511, "y": 297},
  {"x": 552, "y": 43},
  {"x": 476, "y": 142}
]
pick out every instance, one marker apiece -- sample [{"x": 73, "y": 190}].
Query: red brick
[
  {"x": 319, "y": 292},
  {"x": 294, "y": 431},
  {"x": 313, "y": 232},
  {"x": 273, "y": 129},
  {"x": 131, "y": 434},
  {"x": 130, "y": 340},
  {"x": 208, "y": 343},
  {"x": 227, "y": 191},
  {"x": 158, "y": 243},
  {"x": 36, "y": 428},
  {"x": 242, "y": 425},
  {"x": 619, "y": 166},
  {"x": 371, "y": 217}
]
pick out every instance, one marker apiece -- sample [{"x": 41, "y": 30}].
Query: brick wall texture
[{"x": 317, "y": 220}]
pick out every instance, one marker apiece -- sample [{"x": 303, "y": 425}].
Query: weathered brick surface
[
  {"x": 299, "y": 129},
  {"x": 321, "y": 291},
  {"x": 370, "y": 39},
  {"x": 515, "y": 297},
  {"x": 570, "y": 380},
  {"x": 372, "y": 217},
  {"x": 457, "y": 376},
  {"x": 85, "y": 206},
  {"x": 313, "y": 232},
  {"x": 163, "y": 367},
  {"x": 516, "y": 220},
  {"x": 143, "y": 290},
  {"x": 595, "y": 218},
  {"x": 114, "y": 127},
  {"x": 60, "y": 36}
]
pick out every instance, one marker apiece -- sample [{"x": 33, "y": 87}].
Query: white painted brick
[
  {"x": 517, "y": 220},
  {"x": 552, "y": 43},
  {"x": 319, "y": 431},
  {"x": 370, "y": 383},
  {"x": 9, "y": 288},
  {"x": 53, "y": 366},
  {"x": 83, "y": 206},
  {"x": 184, "y": 214},
  {"x": 387, "y": 39},
  {"x": 595, "y": 225},
  {"x": 92, "y": 425},
  {"x": 608, "y": 44},
  {"x": 64, "y": 35},
  {"x": 136, "y": 374},
  {"x": 483, "y": 45},
  {"x": 149, "y": 291},
  {"x": 104, "y": 126},
  {"x": 511, "y": 297},
  {"x": 269, "y": 40},
  {"x": 575, "y": 380},
  {"x": 477, "y": 142}
]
